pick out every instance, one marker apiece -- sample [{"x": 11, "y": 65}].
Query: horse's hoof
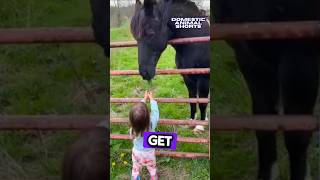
[
  {"x": 191, "y": 126},
  {"x": 188, "y": 126},
  {"x": 198, "y": 129}
]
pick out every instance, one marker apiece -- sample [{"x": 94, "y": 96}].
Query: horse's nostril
[
  {"x": 147, "y": 73},
  {"x": 147, "y": 77}
]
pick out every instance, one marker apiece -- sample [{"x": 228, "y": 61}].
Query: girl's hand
[
  {"x": 146, "y": 95},
  {"x": 150, "y": 96}
]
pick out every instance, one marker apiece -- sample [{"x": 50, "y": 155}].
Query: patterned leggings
[{"x": 140, "y": 159}]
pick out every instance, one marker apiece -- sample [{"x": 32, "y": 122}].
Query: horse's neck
[
  {"x": 178, "y": 10},
  {"x": 185, "y": 11}
]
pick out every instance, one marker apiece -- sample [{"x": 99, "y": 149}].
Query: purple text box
[{"x": 160, "y": 140}]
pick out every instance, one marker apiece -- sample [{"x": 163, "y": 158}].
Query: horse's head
[
  {"x": 100, "y": 24},
  {"x": 149, "y": 28}
]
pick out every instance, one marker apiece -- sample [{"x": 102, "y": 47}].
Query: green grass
[
  {"x": 234, "y": 153},
  {"x": 162, "y": 86},
  {"x": 46, "y": 79}
]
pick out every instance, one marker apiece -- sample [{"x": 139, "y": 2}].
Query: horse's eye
[
  {"x": 150, "y": 32},
  {"x": 156, "y": 19}
]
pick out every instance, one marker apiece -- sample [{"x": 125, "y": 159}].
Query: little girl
[{"x": 141, "y": 120}]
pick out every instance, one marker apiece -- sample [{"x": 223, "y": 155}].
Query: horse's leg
[
  {"x": 299, "y": 84},
  {"x": 264, "y": 101},
  {"x": 261, "y": 78},
  {"x": 203, "y": 92},
  {"x": 192, "y": 89}
]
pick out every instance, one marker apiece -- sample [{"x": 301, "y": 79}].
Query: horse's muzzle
[{"x": 147, "y": 72}]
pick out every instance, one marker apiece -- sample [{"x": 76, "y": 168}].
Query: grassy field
[
  {"x": 235, "y": 152},
  {"x": 46, "y": 79},
  {"x": 162, "y": 86}
]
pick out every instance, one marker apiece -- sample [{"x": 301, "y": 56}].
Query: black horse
[
  {"x": 280, "y": 74},
  {"x": 152, "y": 27}
]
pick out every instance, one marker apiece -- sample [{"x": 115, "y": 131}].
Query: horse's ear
[
  {"x": 138, "y": 4},
  {"x": 149, "y": 2}
]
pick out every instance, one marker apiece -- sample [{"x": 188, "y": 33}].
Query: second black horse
[{"x": 282, "y": 75}]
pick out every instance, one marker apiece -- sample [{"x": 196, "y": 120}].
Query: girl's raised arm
[{"x": 154, "y": 112}]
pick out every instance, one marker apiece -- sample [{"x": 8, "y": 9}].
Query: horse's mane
[
  {"x": 136, "y": 25},
  {"x": 188, "y": 4},
  {"x": 137, "y": 22}
]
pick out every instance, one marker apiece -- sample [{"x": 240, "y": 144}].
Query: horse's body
[
  {"x": 279, "y": 73},
  {"x": 152, "y": 27}
]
